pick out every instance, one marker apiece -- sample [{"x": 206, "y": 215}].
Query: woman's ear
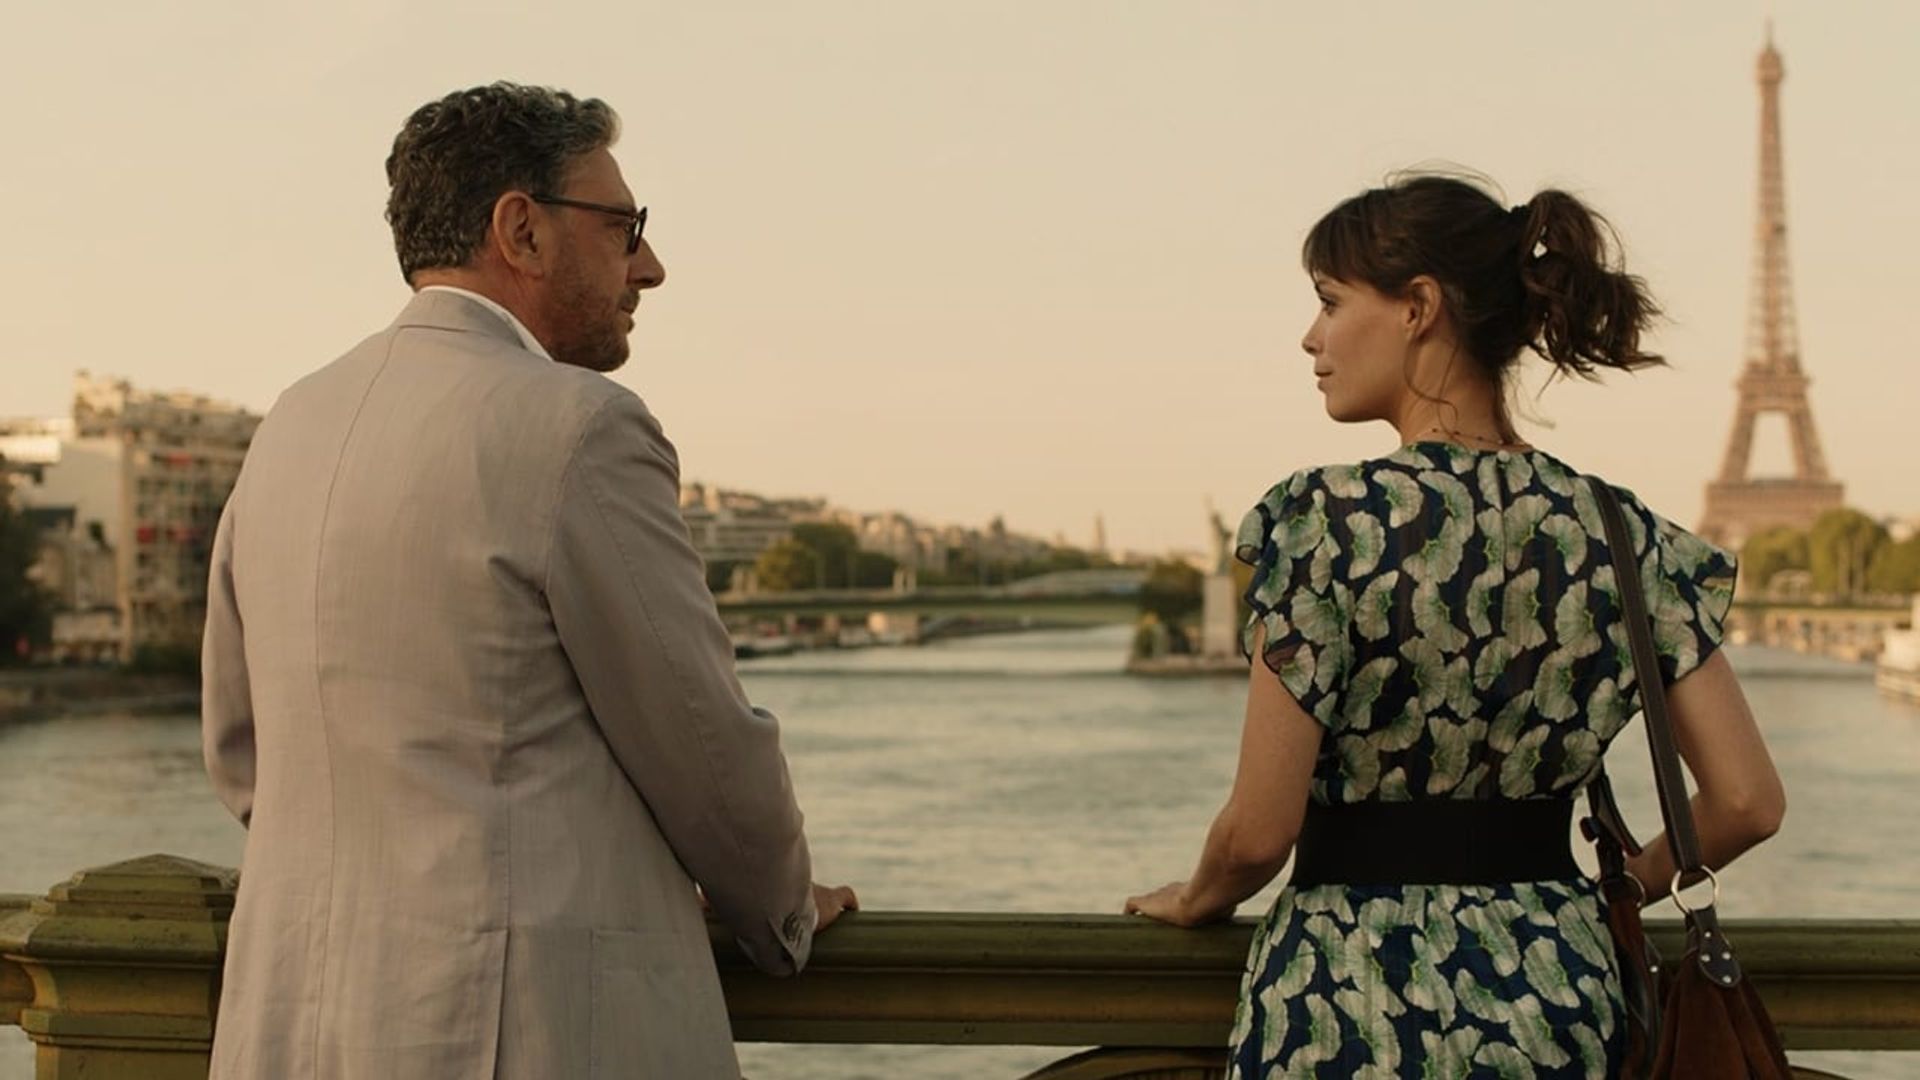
[{"x": 1424, "y": 307}]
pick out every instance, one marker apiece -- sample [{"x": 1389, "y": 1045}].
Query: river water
[{"x": 1027, "y": 773}]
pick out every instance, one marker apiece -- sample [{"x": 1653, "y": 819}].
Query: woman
[{"x": 1444, "y": 665}]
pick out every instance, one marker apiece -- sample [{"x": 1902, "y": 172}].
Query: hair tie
[{"x": 1521, "y": 216}]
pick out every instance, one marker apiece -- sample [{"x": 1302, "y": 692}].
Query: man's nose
[{"x": 643, "y": 268}]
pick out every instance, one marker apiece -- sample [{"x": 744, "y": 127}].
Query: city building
[
  {"x": 913, "y": 545},
  {"x": 135, "y": 479},
  {"x": 736, "y": 526},
  {"x": 76, "y": 567}
]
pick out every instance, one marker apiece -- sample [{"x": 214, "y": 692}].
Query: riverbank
[
  {"x": 38, "y": 693},
  {"x": 748, "y": 646},
  {"x": 1179, "y": 665}
]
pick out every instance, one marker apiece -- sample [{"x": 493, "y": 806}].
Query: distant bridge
[
  {"x": 1081, "y": 596},
  {"x": 1843, "y": 631}
]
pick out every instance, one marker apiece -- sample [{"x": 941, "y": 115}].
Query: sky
[{"x": 1036, "y": 259}]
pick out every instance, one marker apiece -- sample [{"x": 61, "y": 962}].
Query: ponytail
[{"x": 1580, "y": 311}]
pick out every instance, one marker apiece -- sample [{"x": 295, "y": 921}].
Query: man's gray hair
[{"x": 455, "y": 158}]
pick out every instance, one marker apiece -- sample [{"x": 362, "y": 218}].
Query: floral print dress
[{"x": 1450, "y": 617}]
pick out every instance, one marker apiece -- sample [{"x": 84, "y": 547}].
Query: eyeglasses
[{"x": 636, "y": 219}]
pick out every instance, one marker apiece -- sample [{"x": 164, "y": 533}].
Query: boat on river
[{"x": 1898, "y": 670}]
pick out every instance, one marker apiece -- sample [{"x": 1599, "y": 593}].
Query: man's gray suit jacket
[{"x": 466, "y": 687}]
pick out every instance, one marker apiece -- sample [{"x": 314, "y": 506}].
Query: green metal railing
[{"x": 115, "y": 974}]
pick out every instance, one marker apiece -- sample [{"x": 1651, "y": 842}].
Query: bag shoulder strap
[
  {"x": 1707, "y": 941},
  {"x": 1668, "y": 780}
]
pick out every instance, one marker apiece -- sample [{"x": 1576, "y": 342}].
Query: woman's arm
[
  {"x": 1253, "y": 834},
  {"x": 1739, "y": 801}
]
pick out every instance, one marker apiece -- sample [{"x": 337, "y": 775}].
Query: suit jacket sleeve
[
  {"x": 629, "y": 599},
  {"x": 226, "y": 709}
]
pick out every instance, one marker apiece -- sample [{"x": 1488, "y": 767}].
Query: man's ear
[
  {"x": 1425, "y": 306},
  {"x": 519, "y": 234}
]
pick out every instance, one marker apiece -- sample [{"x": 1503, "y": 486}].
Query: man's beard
[
  {"x": 604, "y": 352},
  {"x": 585, "y": 337}
]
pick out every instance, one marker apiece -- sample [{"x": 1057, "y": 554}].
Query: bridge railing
[{"x": 115, "y": 974}]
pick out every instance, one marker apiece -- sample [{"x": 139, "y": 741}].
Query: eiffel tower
[{"x": 1739, "y": 505}]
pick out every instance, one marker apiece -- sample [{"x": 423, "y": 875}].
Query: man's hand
[{"x": 829, "y": 901}]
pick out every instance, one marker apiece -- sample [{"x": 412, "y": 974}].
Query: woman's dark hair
[
  {"x": 455, "y": 158},
  {"x": 1543, "y": 276}
]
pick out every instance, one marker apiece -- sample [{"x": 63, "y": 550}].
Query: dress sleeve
[
  {"x": 1689, "y": 585},
  {"x": 1291, "y": 541}
]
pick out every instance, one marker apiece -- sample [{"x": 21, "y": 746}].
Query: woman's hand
[{"x": 1165, "y": 904}]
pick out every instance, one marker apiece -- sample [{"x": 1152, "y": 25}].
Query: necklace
[{"x": 1491, "y": 442}]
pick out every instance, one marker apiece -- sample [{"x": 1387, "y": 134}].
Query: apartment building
[{"x": 143, "y": 475}]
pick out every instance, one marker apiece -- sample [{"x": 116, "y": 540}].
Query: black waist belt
[{"x": 1435, "y": 842}]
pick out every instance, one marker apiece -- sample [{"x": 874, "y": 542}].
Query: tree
[
  {"x": 1072, "y": 558},
  {"x": 873, "y": 570},
  {"x": 26, "y": 611},
  {"x": 834, "y": 548},
  {"x": 1840, "y": 547},
  {"x": 961, "y": 569},
  {"x": 787, "y": 566},
  {"x": 1896, "y": 568},
  {"x": 1150, "y": 638},
  {"x": 969, "y": 565},
  {"x": 720, "y": 575},
  {"x": 1171, "y": 591},
  {"x": 1769, "y": 552}
]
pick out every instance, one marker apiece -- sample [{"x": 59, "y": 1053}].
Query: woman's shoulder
[
  {"x": 1306, "y": 483},
  {"x": 1331, "y": 502},
  {"x": 1312, "y": 490},
  {"x": 1350, "y": 480},
  {"x": 1293, "y": 513},
  {"x": 1653, "y": 533},
  {"x": 1391, "y": 486}
]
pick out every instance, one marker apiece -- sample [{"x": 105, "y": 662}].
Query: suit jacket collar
[{"x": 451, "y": 311}]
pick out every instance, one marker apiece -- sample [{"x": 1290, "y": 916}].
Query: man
[{"x": 464, "y": 682}]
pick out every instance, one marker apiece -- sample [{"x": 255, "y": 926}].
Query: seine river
[{"x": 1027, "y": 773}]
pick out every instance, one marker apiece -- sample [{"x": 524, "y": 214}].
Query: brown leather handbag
[{"x": 1700, "y": 1019}]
